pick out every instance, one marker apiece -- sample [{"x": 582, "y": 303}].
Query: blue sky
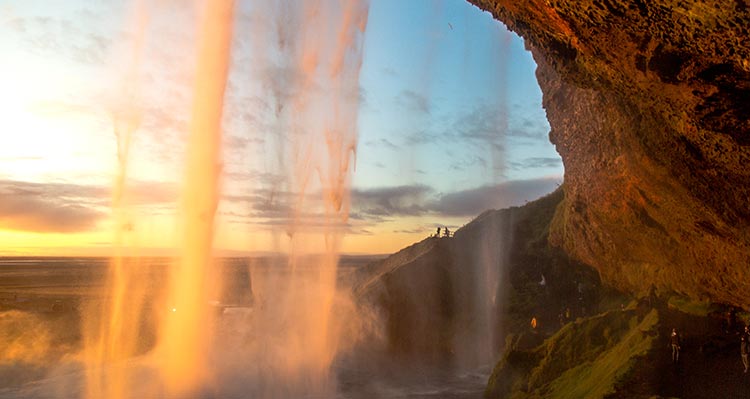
[
  {"x": 450, "y": 121},
  {"x": 445, "y": 83}
]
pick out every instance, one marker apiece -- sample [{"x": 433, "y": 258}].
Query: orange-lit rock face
[{"x": 649, "y": 104}]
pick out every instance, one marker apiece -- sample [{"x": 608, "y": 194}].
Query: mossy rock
[
  {"x": 583, "y": 359},
  {"x": 692, "y": 306}
]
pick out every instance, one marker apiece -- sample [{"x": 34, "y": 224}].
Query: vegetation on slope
[{"x": 586, "y": 358}]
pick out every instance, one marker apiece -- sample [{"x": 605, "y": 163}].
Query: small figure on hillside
[
  {"x": 567, "y": 314},
  {"x": 533, "y": 323},
  {"x": 731, "y": 321},
  {"x": 447, "y": 232},
  {"x": 438, "y": 232},
  {"x": 674, "y": 342},
  {"x": 745, "y": 348}
]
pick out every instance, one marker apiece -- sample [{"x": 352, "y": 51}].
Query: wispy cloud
[
  {"x": 382, "y": 143},
  {"x": 61, "y": 37},
  {"x": 414, "y": 101},
  {"x": 485, "y": 123},
  {"x": 389, "y": 72},
  {"x": 423, "y": 136},
  {"x": 537, "y": 162},
  {"x": 511, "y": 193},
  {"x": 47, "y": 207},
  {"x": 391, "y": 201},
  {"x": 461, "y": 164},
  {"x": 66, "y": 207}
]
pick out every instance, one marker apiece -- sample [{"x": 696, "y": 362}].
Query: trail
[{"x": 710, "y": 366}]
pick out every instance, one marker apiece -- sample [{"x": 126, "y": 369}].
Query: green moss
[
  {"x": 583, "y": 359},
  {"x": 597, "y": 378},
  {"x": 691, "y": 306}
]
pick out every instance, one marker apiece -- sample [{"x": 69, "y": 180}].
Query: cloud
[
  {"x": 410, "y": 231},
  {"x": 391, "y": 201},
  {"x": 168, "y": 124},
  {"x": 274, "y": 209},
  {"x": 60, "y": 36},
  {"x": 422, "y": 137},
  {"x": 485, "y": 123},
  {"x": 389, "y": 72},
  {"x": 511, "y": 193},
  {"x": 462, "y": 164},
  {"x": 537, "y": 162},
  {"x": 235, "y": 142},
  {"x": 376, "y": 205},
  {"x": 414, "y": 101},
  {"x": 45, "y": 208},
  {"x": 382, "y": 143},
  {"x": 530, "y": 128},
  {"x": 265, "y": 179},
  {"x": 66, "y": 207}
]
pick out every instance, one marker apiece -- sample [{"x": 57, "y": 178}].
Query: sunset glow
[{"x": 63, "y": 75}]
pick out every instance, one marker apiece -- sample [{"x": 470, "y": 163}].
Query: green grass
[
  {"x": 597, "y": 379},
  {"x": 584, "y": 359},
  {"x": 691, "y": 306}
]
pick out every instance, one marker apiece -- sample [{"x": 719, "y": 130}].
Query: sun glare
[{"x": 48, "y": 135}]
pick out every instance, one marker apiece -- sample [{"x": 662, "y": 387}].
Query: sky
[{"x": 448, "y": 113}]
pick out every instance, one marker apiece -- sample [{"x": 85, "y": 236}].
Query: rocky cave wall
[{"x": 649, "y": 104}]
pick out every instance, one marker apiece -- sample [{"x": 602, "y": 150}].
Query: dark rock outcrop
[
  {"x": 453, "y": 300},
  {"x": 649, "y": 104},
  {"x": 435, "y": 298}
]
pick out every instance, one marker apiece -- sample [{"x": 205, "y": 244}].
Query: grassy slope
[
  {"x": 598, "y": 378},
  {"x": 584, "y": 359}
]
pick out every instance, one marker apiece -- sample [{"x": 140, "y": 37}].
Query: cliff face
[
  {"x": 455, "y": 299},
  {"x": 649, "y": 104},
  {"x": 437, "y": 297}
]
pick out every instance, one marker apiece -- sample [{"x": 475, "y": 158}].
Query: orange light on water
[{"x": 184, "y": 338}]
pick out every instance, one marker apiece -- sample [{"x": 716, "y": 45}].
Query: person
[
  {"x": 438, "y": 232},
  {"x": 533, "y": 323},
  {"x": 745, "y": 348},
  {"x": 447, "y": 232},
  {"x": 674, "y": 341}
]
